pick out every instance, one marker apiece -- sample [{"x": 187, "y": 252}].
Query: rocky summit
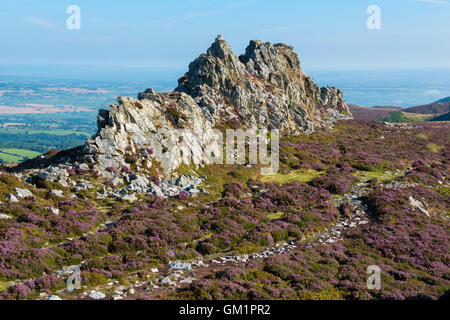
[{"x": 263, "y": 88}]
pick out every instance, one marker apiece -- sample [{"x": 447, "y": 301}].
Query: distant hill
[
  {"x": 443, "y": 100},
  {"x": 432, "y": 108},
  {"x": 428, "y": 112},
  {"x": 371, "y": 113},
  {"x": 386, "y": 113},
  {"x": 442, "y": 117}
]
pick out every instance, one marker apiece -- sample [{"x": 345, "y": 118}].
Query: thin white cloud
[
  {"x": 433, "y": 92},
  {"x": 198, "y": 15},
  {"x": 191, "y": 16},
  {"x": 432, "y": 1},
  {"x": 41, "y": 22},
  {"x": 275, "y": 29}
]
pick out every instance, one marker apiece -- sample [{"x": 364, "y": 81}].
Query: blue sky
[{"x": 327, "y": 34}]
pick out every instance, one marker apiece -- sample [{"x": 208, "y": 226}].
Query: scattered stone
[
  {"x": 418, "y": 205},
  {"x": 129, "y": 197},
  {"x": 120, "y": 288},
  {"x": 23, "y": 193},
  {"x": 185, "y": 266},
  {"x": 83, "y": 166},
  {"x": 187, "y": 280},
  {"x": 53, "y": 210},
  {"x": 97, "y": 295},
  {"x": 58, "y": 193},
  {"x": 11, "y": 198}
]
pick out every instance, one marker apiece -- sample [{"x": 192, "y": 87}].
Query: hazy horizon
[{"x": 397, "y": 87}]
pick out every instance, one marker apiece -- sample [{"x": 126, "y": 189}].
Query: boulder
[
  {"x": 156, "y": 190},
  {"x": 418, "y": 205},
  {"x": 55, "y": 174},
  {"x": 53, "y": 210},
  {"x": 58, "y": 193},
  {"x": 97, "y": 295},
  {"x": 23, "y": 193},
  {"x": 185, "y": 266},
  {"x": 11, "y": 198},
  {"x": 129, "y": 197}
]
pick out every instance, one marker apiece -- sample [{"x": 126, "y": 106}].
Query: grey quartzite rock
[
  {"x": 23, "y": 193},
  {"x": 11, "y": 198}
]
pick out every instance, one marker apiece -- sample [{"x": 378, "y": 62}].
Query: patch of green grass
[
  {"x": 217, "y": 175},
  {"x": 302, "y": 176},
  {"x": 329, "y": 294},
  {"x": 368, "y": 175},
  {"x": 205, "y": 237},
  {"x": 434, "y": 148},
  {"x": 95, "y": 279},
  {"x": 422, "y": 136},
  {"x": 275, "y": 216},
  {"x": 4, "y": 285},
  {"x": 21, "y": 152},
  {"x": 8, "y": 158},
  {"x": 400, "y": 116},
  {"x": 417, "y": 117},
  {"x": 445, "y": 191},
  {"x": 11, "y": 155}
]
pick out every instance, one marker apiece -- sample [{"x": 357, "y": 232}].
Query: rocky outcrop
[
  {"x": 157, "y": 132},
  {"x": 264, "y": 88}
]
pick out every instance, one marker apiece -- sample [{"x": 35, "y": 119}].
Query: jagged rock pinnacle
[
  {"x": 220, "y": 48},
  {"x": 264, "y": 87}
]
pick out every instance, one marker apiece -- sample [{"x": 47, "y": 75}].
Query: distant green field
[
  {"x": 417, "y": 117},
  {"x": 16, "y": 155},
  {"x": 53, "y": 132},
  {"x": 7, "y": 158}
]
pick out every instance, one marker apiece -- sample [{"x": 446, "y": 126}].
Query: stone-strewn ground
[{"x": 364, "y": 194}]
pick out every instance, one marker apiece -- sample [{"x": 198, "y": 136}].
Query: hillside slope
[
  {"x": 364, "y": 194},
  {"x": 444, "y": 100},
  {"x": 442, "y": 117},
  {"x": 371, "y": 113},
  {"x": 432, "y": 108}
]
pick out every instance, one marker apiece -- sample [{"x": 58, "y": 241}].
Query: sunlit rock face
[{"x": 264, "y": 87}]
